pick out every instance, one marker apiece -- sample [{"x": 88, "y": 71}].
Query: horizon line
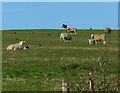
[{"x": 55, "y": 28}]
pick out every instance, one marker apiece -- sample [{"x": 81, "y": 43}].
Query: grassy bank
[{"x": 42, "y": 67}]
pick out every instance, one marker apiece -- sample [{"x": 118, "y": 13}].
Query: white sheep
[
  {"x": 65, "y": 37},
  {"x": 16, "y": 46},
  {"x": 97, "y": 37}
]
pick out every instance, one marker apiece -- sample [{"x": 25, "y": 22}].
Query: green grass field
[{"x": 41, "y": 68}]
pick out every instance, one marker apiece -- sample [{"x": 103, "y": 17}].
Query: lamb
[
  {"x": 65, "y": 37},
  {"x": 16, "y": 46},
  {"x": 72, "y": 30},
  {"x": 97, "y": 37}
]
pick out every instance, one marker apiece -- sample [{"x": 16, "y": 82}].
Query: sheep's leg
[
  {"x": 89, "y": 41},
  {"x": 104, "y": 42},
  {"x": 64, "y": 40},
  {"x": 19, "y": 47},
  {"x": 14, "y": 48},
  {"x": 96, "y": 42},
  {"x": 60, "y": 40}
]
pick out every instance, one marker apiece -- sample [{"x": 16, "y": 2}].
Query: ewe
[
  {"x": 108, "y": 30},
  {"x": 97, "y": 37},
  {"x": 16, "y": 46},
  {"x": 72, "y": 30},
  {"x": 65, "y": 37}
]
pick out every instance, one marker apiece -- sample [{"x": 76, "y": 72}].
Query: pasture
[{"x": 47, "y": 61}]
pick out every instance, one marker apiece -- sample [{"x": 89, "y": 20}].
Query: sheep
[
  {"x": 97, "y": 37},
  {"x": 63, "y": 26},
  {"x": 108, "y": 30},
  {"x": 65, "y": 37},
  {"x": 72, "y": 30},
  {"x": 16, "y": 46}
]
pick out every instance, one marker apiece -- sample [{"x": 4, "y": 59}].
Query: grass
[{"x": 40, "y": 68}]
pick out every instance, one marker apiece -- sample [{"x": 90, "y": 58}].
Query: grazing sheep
[
  {"x": 65, "y": 37},
  {"x": 108, "y": 30},
  {"x": 16, "y": 46},
  {"x": 72, "y": 30},
  {"x": 63, "y": 25},
  {"x": 97, "y": 37}
]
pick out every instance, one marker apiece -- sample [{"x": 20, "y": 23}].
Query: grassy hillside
[{"x": 41, "y": 68}]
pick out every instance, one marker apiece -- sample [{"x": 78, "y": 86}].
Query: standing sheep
[
  {"x": 108, "y": 30},
  {"x": 63, "y": 25},
  {"x": 65, "y": 37},
  {"x": 97, "y": 37},
  {"x": 16, "y": 46},
  {"x": 72, "y": 30}
]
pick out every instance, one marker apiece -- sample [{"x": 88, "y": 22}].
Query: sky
[
  {"x": 60, "y": 0},
  {"x": 50, "y": 15}
]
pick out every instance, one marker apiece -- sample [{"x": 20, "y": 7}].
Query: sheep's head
[
  {"x": 90, "y": 41},
  {"x": 68, "y": 29},
  {"x": 59, "y": 34},
  {"x": 21, "y": 42}
]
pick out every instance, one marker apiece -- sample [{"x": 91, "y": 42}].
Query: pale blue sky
[
  {"x": 60, "y": 0},
  {"x": 50, "y": 15}
]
